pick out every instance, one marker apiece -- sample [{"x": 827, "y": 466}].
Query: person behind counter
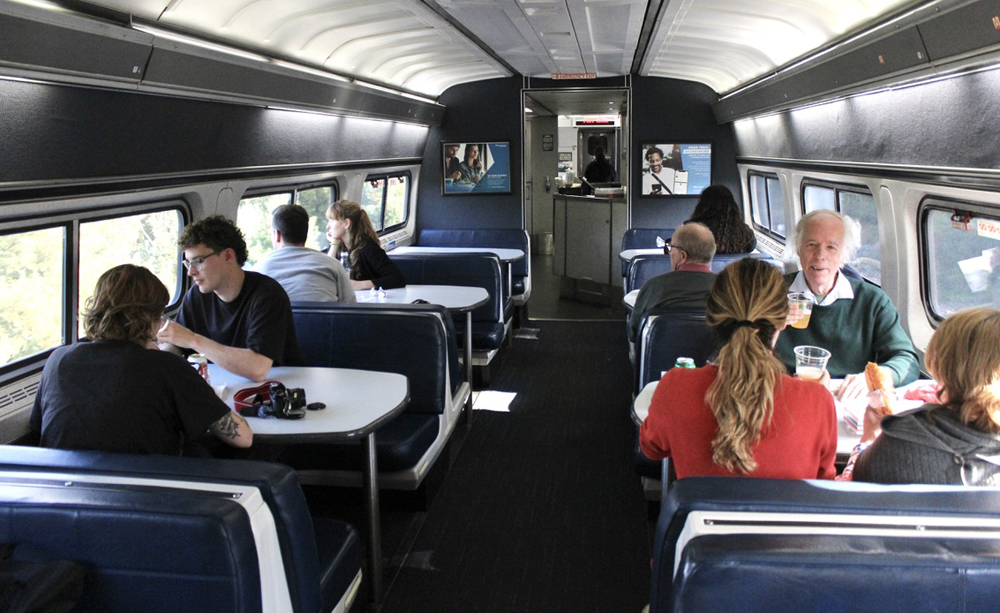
[
  {"x": 116, "y": 392},
  {"x": 350, "y": 230},
  {"x": 957, "y": 440},
  {"x": 718, "y": 210},
  {"x": 743, "y": 415}
]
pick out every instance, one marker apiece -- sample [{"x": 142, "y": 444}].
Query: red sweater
[{"x": 801, "y": 442}]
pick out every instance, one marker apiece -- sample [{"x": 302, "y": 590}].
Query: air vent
[{"x": 15, "y": 404}]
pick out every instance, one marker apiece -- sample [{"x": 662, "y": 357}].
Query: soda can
[
  {"x": 200, "y": 363},
  {"x": 684, "y": 363}
]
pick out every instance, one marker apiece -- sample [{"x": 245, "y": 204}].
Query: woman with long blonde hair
[
  {"x": 350, "y": 230},
  {"x": 742, "y": 414}
]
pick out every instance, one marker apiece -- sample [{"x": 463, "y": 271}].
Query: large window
[
  {"x": 254, "y": 217},
  {"x": 859, "y": 204},
  {"x": 961, "y": 249},
  {"x": 767, "y": 204},
  {"x": 385, "y": 200},
  {"x": 37, "y": 311}
]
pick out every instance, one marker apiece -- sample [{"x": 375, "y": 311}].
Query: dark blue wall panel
[{"x": 476, "y": 112}]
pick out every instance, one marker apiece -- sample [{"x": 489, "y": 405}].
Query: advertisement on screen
[
  {"x": 676, "y": 169},
  {"x": 475, "y": 168}
]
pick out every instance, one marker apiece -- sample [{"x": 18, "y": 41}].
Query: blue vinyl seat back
[
  {"x": 277, "y": 484},
  {"x": 668, "y": 333},
  {"x": 645, "y": 267},
  {"x": 721, "y": 261},
  {"x": 888, "y": 559},
  {"x": 851, "y": 272},
  {"x": 501, "y": 238},
  {"x": 642, "y": 238},
  {"x": 417, "y": 341}
]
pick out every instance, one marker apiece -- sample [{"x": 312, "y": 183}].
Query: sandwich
[{"x": 880, "y": 382}]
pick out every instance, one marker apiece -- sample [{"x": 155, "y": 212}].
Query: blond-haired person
[
  {"x": 743, "y": 415},
  {"x": 115, "y": 391},
  {"x": 350, "y": 231},
  {"x": 957, "y": 440}
]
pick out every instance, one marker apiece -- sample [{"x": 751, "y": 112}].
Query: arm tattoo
[{"x": 227, "y": 426}]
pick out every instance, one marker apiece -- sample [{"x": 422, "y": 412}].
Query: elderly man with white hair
[{"x": 852, "y": 319}]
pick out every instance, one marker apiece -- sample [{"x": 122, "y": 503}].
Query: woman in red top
[{"x": 743, "y": 415}]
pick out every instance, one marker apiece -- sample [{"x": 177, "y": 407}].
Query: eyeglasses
[
  {"x": 198, "y": 262},
  {"x": 667, "y": 247}
]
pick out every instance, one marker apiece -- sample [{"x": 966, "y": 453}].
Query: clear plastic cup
[
  {"x": 810, "y": 362},
  {"x": 800, "y": 308}
]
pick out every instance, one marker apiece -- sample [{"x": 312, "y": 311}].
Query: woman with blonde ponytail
[{"x": 743, "y": 415}]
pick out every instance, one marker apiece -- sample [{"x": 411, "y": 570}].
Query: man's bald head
[{"x": 696, "y": 240}]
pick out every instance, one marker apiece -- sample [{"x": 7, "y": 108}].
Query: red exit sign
[{"x": 575, "y": 75}]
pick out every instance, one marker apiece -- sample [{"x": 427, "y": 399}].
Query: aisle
[{"x": 541, "y": 510}]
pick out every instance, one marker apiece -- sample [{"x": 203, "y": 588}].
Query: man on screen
[{"x": 657, "y": 181}]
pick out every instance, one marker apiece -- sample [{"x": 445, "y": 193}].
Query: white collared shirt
[{"x": 842, "y": 289}]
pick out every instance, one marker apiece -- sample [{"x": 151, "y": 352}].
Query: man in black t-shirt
[{"x": 240, "y": 320}]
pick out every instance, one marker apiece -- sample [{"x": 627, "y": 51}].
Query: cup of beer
[
  {"x": 810, "y": 362},
  {"x": 800, "y": 308}
]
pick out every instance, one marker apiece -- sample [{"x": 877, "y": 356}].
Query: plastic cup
[
  {"x": 800, "y": 308},
  {"x": 810, "y": 362}
]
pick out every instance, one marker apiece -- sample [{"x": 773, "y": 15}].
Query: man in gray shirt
[{"x": 306, "y": 274}]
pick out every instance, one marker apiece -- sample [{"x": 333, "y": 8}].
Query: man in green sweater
[{"x": 852, "y": 319}]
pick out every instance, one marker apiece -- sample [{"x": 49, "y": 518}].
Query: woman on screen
[
  {"x": 743, "y": 415},
  {"x": 350, "y": 230},
  {"x": 471, "y": 169}
]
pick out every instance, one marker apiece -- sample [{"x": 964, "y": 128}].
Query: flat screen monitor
[
  {"x": 475, "y": 167},
  {"x": 683, "y": 169}
]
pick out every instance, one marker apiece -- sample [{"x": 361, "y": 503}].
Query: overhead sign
[
  {"x": 595, "y": 122},
  {"x": 575, "y": 75}
]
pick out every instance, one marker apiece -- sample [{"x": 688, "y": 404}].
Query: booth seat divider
[
  {"x": 163, "y": 533},
  {"x": 642, "y": 238},
  {"x": 417, "y": 341}
]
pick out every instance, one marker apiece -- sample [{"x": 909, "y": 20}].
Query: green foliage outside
[{"x": 254, "y": 218}]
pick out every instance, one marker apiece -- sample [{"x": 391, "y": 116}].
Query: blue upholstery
[
  {"x": 851, "y": 272},
  {"x": 501, "y": 238},
  {"x": 142, "y": 544},
  {"x": 473, "y": 270},
  {"x": 870, "y": 564},
  {"x": 644, "y": 268},
  {"x": 721, "y": 261},
  {"x": 642, "y": 238},
  {"x": 417, "y": 341}
]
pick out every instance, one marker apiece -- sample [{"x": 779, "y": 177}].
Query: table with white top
[
  {"x": 629, "y": 254},
  {"x": 629, "y": 299},
  {"x": 455, "y": 298},
  {"x": 847, "y": 436},
  {"x": 358, "y": 402},
  {"x": 507, "y": 256}
]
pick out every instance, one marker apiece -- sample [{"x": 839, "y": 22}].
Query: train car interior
[{"x": 540, "y": 154}]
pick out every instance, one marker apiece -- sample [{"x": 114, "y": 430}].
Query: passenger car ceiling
[{"x": 422, "y": 46}]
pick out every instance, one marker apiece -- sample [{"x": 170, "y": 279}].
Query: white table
[
  {"x": 358, "y": 402},
  {"x": 455, "y": 298},
  {"x": 507, "y": 256},
  {"x": 847, "y": 437},
  {"x": 629, "y": 254},
  {"x": 629, "y": 299}
]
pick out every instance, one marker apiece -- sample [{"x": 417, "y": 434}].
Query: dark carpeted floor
[{"x": 541, "y": 510}]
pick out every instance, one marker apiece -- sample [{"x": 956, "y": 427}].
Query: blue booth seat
[
  {"x": 501, "y": 238},
  {"x": 417, "y": 341},
  {"x": 745, "y": 544},
  {"x": 721, "y": 261},
  {"x": 642, "y": 238},
  {"x": 177, "y": 534},
  {"x": 644, "y": 268}
]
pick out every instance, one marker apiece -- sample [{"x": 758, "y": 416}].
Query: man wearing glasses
[
  {"x": 690, "y": 280},
  {"x": 238, "y": 319}
]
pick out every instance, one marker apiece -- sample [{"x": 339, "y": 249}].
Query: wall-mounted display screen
[
  {"x": 476, "y": 167},
  {"x": 676, "y": 169}
]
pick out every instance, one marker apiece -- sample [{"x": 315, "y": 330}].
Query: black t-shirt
[
  {"x": 259, "y": 319},
  {"x": 372, "y": 263},
  {"x": 119, "y": 397}
]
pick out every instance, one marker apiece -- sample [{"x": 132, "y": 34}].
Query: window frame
[
  {"x": 385, "y": 190},
  {"x": 766, "y": 230},
  {"x": 927, "y": 204},
  {"x": 71, "y": 221}
]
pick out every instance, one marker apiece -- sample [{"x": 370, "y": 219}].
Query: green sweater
[{"x": 865, "y": 329}]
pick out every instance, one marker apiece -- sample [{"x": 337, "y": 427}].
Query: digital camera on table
[{"x": 283, "y": 402}]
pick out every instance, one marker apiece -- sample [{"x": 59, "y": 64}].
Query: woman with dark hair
[
  {"x": 350, "y": 230},
  {"x": 718, "y": 210},
  {"x": 956, "y": 440},
  {"x": 116, "y": 391},
  {"x": 743, "y": 415},
  {"x": 471, "y": 168}
]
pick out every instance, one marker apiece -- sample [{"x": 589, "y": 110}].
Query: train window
[
  {"x": 962, "y": 259},
  {"x": 858, "y": 204},
  {"x": 386, "y": 200},
  {"x": 767, "y": 204},
  {"x": 32, "y": 314},
  {"x": 253, "y": 216}
]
